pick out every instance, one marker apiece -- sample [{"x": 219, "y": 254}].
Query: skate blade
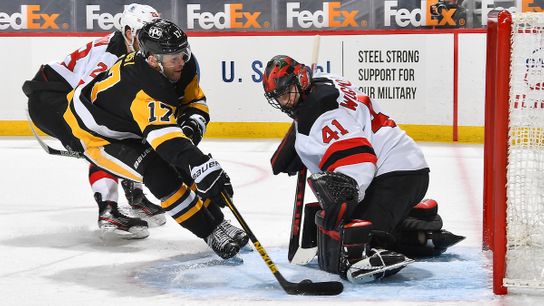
[
  {"x": 153, "y": 221},
  {"x": 376, "y": 274},
  {"x": 233, "y": 261},
  {"x": 112, "y": 233},
  {"x": 246, "y": 249}
]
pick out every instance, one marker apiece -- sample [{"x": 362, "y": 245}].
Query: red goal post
[{"x": 513, "y": 216}]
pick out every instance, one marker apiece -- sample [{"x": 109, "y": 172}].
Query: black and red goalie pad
[{"x": 285, "y": 159}]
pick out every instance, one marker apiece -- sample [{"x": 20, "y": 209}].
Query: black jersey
[{"x": 133, "y": 101}]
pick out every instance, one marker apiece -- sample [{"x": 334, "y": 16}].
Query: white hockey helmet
[{"x": 135, "y": 16}]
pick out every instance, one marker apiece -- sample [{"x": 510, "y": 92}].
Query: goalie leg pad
[
  {"x": 346, "y": 251},
  {"x": 309, "y": 228},
  {"x": 328, "y": 246},
  {"x": 425, "y": 210},
  {"x": 337, "y": 194},
  {"x": 339, "y": 248},
  {"x": 421, "y": 233},
  {"x": 425, "y": 243}
]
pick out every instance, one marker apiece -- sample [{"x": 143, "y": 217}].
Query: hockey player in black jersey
[
  {"x": 368, "y": 175},
  {"x": 47, "y": 102},
  {"x": 125, "y": 121}
]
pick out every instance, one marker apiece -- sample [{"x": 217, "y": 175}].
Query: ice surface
[{"x": 51, "y": 253}]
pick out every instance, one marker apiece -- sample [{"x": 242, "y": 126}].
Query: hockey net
[{"x": 514, "y": 150}]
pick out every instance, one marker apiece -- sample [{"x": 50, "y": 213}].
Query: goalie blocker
[{"x": 356, "y": 251}]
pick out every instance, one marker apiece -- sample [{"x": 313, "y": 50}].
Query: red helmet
[{"x": 280, "y": 73}]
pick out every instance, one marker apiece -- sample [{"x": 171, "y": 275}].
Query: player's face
[
  {"x": 289, "y": 98},
  {"x": 135, "y": 42},
  {"x": 173, "y": 65}
]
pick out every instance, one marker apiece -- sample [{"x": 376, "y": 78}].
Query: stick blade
[
  {"x": 307, "y": 287},
  {"x": 303, "y": 256}
]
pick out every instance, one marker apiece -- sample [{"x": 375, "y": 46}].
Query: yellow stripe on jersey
[
  {"x": 193, "y": 210},
  {"x": 87, "y": 139},
  {"x": 110, "y": 163},
  {"x": 147, "y": 111},
  {"x": 113, "y": 78},
  {"x": 174, "y": 197},
  {"x": 156, "y": 137},
  {"x": 201, "y": 106},
  {"x": 193, "y": 92}
]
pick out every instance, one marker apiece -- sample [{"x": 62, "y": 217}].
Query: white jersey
[
  {"x": 84, "y": 64},
  {"x": 340, "y": 129}
]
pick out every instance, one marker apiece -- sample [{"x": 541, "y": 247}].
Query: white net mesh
[{"x": 525, "y": 171}]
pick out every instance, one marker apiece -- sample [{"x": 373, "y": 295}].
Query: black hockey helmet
[
  {"x": 161, "y": 37},
  {"x": 280, "y": 73}
]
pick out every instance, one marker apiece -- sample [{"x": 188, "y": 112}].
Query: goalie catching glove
[
  {"x": 211, "y": 180},
  {"x": 337, "y": 194}
]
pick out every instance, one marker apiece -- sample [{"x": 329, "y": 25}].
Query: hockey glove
[
  {"x": 337, "y": 194},
  {"x": 193, "y": 127},
  {"x": 211, "y": 180}
]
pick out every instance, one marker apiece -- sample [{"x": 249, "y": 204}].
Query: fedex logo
[
  {"x": 532, "y": 5},
  {"x": 29, "y": 18},
  {"x": 403, "y": 17},
  {"x": 233, "y": 17},
  {"x": 441, "y": 13},
  {"x": 489, "y": 5},
  {"x": 331, "y": 16},
  {"x": 105, "y": 21}
]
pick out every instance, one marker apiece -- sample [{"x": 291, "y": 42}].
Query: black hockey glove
[
  {"x": 337, "y": 194},
  {"x": 211, "y": 180},
  {"x": 193, "y": 127}
]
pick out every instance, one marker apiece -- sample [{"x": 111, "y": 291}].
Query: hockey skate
[
  {"x": 221, "y": 243},
  {"x": 377, "y": 264},
  {"x": 236, "y": 234},
  {"x": 112, "y": 222},
  {"x": 141, "y": 206}
]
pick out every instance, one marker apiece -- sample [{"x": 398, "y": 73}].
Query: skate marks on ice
[{"x": 461, "y": 274}]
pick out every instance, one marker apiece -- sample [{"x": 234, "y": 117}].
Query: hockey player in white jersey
[
  {"x": 367, "y": 174},
  {"x": 48, "y": 92}
]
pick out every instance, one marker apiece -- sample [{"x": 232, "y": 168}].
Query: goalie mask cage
[{"x": 513, "y": 218}]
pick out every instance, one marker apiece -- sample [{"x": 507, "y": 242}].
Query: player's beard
[{"x": 173, "y": 74}]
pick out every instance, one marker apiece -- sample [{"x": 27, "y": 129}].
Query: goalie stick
[
  {"x": 47, "y": 148},
  {"x": 297, "y": 254},
  {"x": 305, "y": 287}
]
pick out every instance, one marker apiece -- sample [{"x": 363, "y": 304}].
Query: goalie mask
[{"x": 280, "y": 74}]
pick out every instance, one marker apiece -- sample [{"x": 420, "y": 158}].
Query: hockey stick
[
  {"x": 315, "y": 52},
  {"x": 305, "y": 287},
  {"x": 297, "y": 254},
  {"x": 47, "y": 148}
]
